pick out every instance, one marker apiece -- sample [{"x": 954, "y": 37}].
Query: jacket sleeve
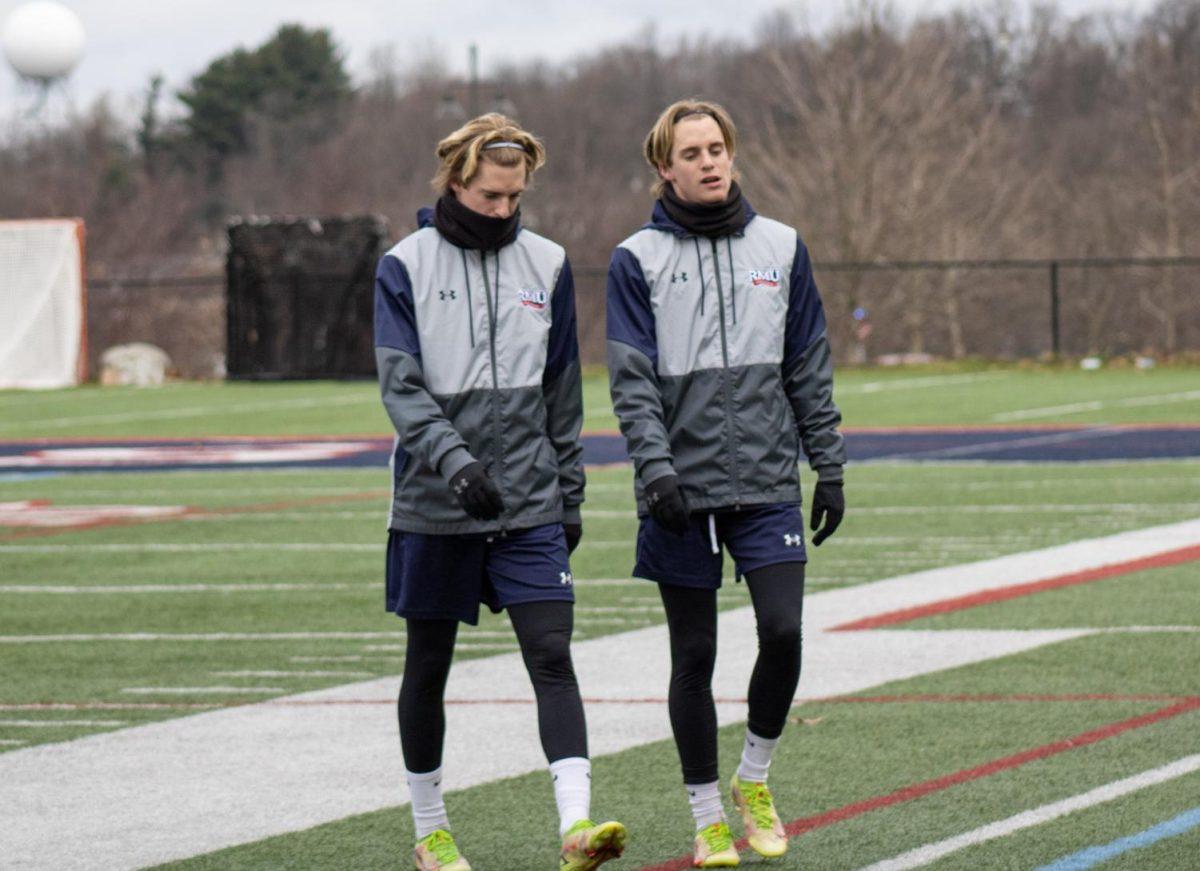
[
  {"x": 633, "y": 368},
  {"x": 562, "y": 390},
  {"x": 423, "y": 429},
  {"x": 808, "y": 372}
]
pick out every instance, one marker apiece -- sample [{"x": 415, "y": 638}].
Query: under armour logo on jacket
[
  {"x": 678, "y": 277},
  {"x": 444, "y": 295},
  {"x": 565, "y": 577},
  {"x": 793, "y": 540}
]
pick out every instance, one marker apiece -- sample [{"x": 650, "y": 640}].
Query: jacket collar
[
  {"x": 425, "y": 217},
  {"x": 660, "y": 220}
]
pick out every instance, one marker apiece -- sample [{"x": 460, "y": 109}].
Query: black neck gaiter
[
  {"x": 712, "y": 220},
  {"x": 467, "y": 228}
]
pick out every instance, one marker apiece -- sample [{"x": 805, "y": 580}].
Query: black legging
[
  {"x": 777, "y": 592},
  {"x": 544, "y": 633}
]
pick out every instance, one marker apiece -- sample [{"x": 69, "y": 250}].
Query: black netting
[{"x": 300, "y": 297}]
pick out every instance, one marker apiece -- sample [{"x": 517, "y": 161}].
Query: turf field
[
  {"x": 957, "y": 395},
  {"x": 267, "y": 584}
]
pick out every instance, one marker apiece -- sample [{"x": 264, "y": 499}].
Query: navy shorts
[
  {"x": 758, "y": 536},
  {"x": 445, "y": 577}
]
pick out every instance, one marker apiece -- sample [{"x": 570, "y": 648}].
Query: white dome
[{"x": 43, "y": 39}]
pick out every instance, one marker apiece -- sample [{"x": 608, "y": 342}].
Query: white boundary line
[
  {"x": 1097, "y": 405},
  {"x": 1035, "y": 817},
  {"x": 59, "y": 723},
  {"x": 188, "y": 411},
  {"x": 188, "y": 691}
]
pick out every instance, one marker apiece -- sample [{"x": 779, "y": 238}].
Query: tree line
[{"x": 967, "y": 135}]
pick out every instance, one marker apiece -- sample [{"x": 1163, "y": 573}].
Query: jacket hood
[{"x": 660, "y": 220}]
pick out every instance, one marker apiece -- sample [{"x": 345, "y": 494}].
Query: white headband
[{"x": 492, "y": 145}]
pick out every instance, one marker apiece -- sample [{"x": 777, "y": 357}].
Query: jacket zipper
[
  {"x": 737, "y": 488},
  {"x": 470, "y": 306},
  {"x": 493, "y": 314}
]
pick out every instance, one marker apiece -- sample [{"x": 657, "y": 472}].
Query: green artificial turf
[{"x": 951, "y": 394}]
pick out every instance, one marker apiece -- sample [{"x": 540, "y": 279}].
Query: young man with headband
[
  {"x": 720, "y": 372},
  {"x": 479, "y": 370}
]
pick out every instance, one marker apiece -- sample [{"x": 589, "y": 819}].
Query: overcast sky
[{"x": 130, "y": 40}]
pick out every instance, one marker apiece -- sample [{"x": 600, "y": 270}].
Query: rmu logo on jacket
[
  {"x": 718, "y": 362},
  {"x": 534, "y": 298},
  {"x": 764, "y": 278},
  {"x": 477, "y": 361}
]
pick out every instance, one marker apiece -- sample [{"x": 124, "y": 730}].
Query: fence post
[{"x": 1055, "y": 330}]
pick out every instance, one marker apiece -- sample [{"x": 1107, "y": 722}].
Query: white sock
[
  {"x": 756, "y": 757},
  {"x": 428, "y": 809},
  {"x": 705, "y": 799},
  {"x": 572, "y": 790}
]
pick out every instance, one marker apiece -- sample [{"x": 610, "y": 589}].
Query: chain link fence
[{"x": 995, "y": 309}]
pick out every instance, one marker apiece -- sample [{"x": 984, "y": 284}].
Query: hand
[
  {"x": 666, "y": 503},
  {"x": 476, "y": 492},
  {"x": 574, "y": 532},
  {"x": 828, "y": 504}
]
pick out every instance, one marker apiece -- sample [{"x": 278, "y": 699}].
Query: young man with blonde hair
[
  {"x": 720, "y": 373},
  {"x": 479, "y": 371}
]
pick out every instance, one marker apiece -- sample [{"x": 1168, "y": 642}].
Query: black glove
[
  {"x": 666, "y": 504},
  {"x": 476, "y": 492},
  {"x": 828, "y": 504},
  {"x": 574, "y": 532}
]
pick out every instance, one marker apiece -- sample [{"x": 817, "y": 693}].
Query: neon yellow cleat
[
  {"x": 764, "y": 831},
  {"x": 438, "y": 852},
  {"x": 714, "y": 847},
  {"x": 588, "y": 845}
]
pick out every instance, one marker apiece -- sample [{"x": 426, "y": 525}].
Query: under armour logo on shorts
[{"x": 792, "y": 540}]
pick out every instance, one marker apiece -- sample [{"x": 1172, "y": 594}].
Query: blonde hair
[
  {"x": 661, "y": 138},
  {"x": 462, "y": 151}
]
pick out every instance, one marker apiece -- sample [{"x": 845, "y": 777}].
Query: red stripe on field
[
  {"x": 301, "y": 703},
  {"x": 1012, "y": 697},
  {"x": 1000, "y": 594},
  {"x": 191, "y": 513},
  {"x": 918, "y": 790}
]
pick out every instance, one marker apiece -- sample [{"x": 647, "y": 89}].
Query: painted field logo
[
  {"x": 534, "y": 298},
  {"x": 764, "y": 277}
]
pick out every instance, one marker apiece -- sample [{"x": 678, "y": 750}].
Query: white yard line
[
  {"x": 1097, "y": 405},
  {"x": 299, "y": 673},
  {"x": 187, "y": 691},
  {"x": 173, "y": 547},
  {"x": 12, "y": 742},
  {"x": 189, "y": 411},
  {"x": 921, "y": 383},
  {"x": 76, "y": 589},
  {"x": 1007, "y": 444},
  {"x": 133, "y": 797},
  {"x": 198, "y": 636},
  {"x": 1037, "y": 816},
  {"x": 353, "y": 658},
  {"x": 38, "y": 724}
]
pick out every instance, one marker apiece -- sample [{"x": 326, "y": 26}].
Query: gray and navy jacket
[
  {"x": 478, "y": 360},
  {"x": 718, "y": 362}
]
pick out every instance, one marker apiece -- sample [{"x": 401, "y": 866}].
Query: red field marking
[
  {"x": 40, "y": 532},
  {"x": 1001, "y": 594},
  {"x": 1013, "y": 697},
  {"x": 1015, "y": 427},
  {"x": 966, "y": 775},
  {"x": 304, "y": 703},
  {"x": 383, "y": 439}
]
